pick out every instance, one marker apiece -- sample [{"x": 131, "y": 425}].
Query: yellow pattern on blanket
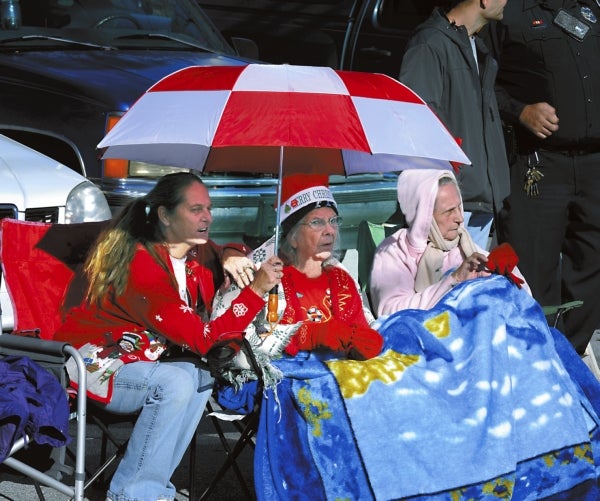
[
  {"x": 439, "y": 325},
  {"x": 355, "y": 377}
]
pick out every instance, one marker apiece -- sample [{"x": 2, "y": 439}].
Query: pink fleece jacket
[{"x": 397, "y": 257}]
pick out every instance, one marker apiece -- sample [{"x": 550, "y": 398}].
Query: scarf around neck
[{"x": 429, "y": 269}]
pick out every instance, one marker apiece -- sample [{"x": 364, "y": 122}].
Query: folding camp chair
[
  {"x": 370, "y": 235},
  {"x": 592, "y": 351},
  {"x": 52, "y": 356},
  {"x": 42, "y": 269},
  {"x": 42, "y": 265},
  {"x": 246, "y": 426}
]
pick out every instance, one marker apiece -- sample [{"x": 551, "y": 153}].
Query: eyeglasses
[{"x": 318, "y": 223}]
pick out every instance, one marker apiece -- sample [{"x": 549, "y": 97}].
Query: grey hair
[{"x": 444, "y": 180}]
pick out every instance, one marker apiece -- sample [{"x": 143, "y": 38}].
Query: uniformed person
[{"x": 548, "y": 91}]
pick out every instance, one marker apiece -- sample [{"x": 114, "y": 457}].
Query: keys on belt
[{"x": 533, "y": 175}]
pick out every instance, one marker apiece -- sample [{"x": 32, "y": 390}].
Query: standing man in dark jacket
[
  {"x": 451, "y": 69},
  {"x": 548, "y": 89}
]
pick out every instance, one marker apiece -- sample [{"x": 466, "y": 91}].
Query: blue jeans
[
  {"x": 171, "y": 397},
  {"x": 479, "y": 224}
]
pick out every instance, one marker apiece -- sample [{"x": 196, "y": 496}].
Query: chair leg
[
  {"x": 106, "y": 437},
  {"x": 99, "y": 474},
  {"x": 38, "y": 490},
  {"x": 232, "y": 455},
  {"x": 244, "y": 438}
]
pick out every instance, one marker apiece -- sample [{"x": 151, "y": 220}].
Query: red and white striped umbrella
[
  {"x": 265, "y": 118},
  {"x": 282, "y": 119}
]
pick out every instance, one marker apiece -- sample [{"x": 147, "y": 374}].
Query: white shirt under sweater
[{"x": 179, "y": 268}]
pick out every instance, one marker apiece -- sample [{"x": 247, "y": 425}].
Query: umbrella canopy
[
  {"x": 262, "y": 118},
  {"x": 282, "y": 118}
]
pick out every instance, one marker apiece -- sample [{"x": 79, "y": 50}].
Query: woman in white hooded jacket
[{"x": 417, "y": 265}]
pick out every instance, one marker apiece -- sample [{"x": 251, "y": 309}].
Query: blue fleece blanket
[{"x": 474, "y": 399}]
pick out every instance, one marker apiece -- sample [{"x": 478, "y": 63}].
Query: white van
[{"x": 33, "y": 187}]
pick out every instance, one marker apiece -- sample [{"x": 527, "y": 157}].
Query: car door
[
  {"x": 303, "y": 32},
  {"x": 380, "y": 33}
]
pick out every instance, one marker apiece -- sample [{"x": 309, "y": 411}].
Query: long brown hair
[{"x": 107, "y": 266}]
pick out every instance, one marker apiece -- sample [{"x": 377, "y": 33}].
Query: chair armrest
[
  {"x": 561, "y": 308},
  {"x": 12, "y": 344}
]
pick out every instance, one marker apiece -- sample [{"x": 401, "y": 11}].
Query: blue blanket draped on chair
[{"x": 469, "y": 400}]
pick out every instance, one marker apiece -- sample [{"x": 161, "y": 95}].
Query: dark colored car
[
  {"x": 361, "y": 35},
  {"x": 74, "y": 67}
]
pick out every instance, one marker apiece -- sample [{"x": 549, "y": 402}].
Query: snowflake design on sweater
[
  {"x": 186, "y": 309},
  {"x": 158, "y": 318},
  {"x": 240, "y": 309}
]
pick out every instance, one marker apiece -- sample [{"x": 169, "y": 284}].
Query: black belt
[{"x": 576, "y": 152}]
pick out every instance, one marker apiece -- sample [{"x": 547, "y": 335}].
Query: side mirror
[{"x": 245, "y": 47}]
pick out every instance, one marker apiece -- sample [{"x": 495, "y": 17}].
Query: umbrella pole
[
  {"x": 272, "y": 315},
  {"x": 278, "y": 213}
]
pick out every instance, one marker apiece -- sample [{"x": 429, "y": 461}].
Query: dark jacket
[
  {"x": 33, "y": 402},
  {"x": 540, "y": 62},
  {"x": 440, "y": 67}
]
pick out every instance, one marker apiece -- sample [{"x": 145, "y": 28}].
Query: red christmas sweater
[
  {"x": 151, "y": 302},
  {"x": 332, "y": 310}
]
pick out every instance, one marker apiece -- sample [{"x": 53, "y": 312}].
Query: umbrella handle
[{"x": 272, "y": 315}]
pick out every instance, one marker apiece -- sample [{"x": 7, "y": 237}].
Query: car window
[
  {"x": 403, "y": 14},
  {"x": 322, "y": 2},
  {"x": 115, "y": 23}
]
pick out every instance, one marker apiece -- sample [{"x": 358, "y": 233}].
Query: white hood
[{"x": 417, "y": 191}]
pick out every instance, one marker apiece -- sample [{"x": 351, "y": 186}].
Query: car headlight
[
  {"x": 86, "y": 202},
  {"x": 144, "y": 169}
]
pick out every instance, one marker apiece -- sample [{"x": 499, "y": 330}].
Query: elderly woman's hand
[
  {"x": 267, "y": 276},
  {"x": 472, "y": 267}
]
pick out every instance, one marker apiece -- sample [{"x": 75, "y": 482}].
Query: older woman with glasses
[
  {"x": 319, "y": 308},
  {"x": 321, "y": 295}
]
